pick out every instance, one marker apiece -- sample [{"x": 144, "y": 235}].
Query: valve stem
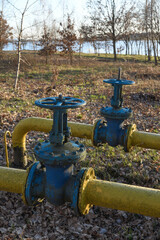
[{"x": 119, "y": 73}]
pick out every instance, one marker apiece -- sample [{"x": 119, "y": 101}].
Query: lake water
[{"x": 135, "y": 47}]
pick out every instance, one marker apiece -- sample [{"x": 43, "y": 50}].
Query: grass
[{"x": 84, "y": 79}]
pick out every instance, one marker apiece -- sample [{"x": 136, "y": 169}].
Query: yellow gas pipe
[
  {"x": 80, "y": 130},
  {"x": 13, "y": 180},
  {"x": 41, "y": 125},
  {"x": 142, "y": 139},
  {"x": 113, "y": 195},
  {"x": 119, "y": 196}
]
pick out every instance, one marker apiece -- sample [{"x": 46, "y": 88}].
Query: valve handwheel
[
  {"x": 59, "y": 102},
  {"x": 118, "y": 81},
  {"x": 59, "y": 150},
  {"x": 116, "y": 100}
]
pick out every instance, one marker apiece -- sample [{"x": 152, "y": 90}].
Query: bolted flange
[
  {"x": 34, "y": 185},
  {"x": 83, "y": 204},
  {"x": 59, "y": 155}
]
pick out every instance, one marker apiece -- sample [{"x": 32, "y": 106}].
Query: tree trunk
[
  {"x": 152, "y": 31},
  {"x": 148, "y": 50},
  {"x": 19, "y": 62},
  {"x": 106, "y": 47},
  {"x": 46, "y": 57},
  {"x": 70, "y": 57},
  {"x": 19, "y": 54},
  {"x": 114, "y": 50},
  {"x": 131, "y": 43},
  {"x": 80, "y": 47},
  {"x": 154, "y": 50},
  {"x": 19, "y": 46},
  {"x": 145, "y": 50},
  {"x": 126, "y": 43},
  {"x": 157, "y": 49},
  {"x": 95, "y": 48}
]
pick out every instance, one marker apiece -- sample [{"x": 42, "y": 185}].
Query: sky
[
  {"x": 41, "y": 10},
  {"x": 53, "y": 9}
]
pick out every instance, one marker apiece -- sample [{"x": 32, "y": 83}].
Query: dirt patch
[{"x": 142, "y": 96}]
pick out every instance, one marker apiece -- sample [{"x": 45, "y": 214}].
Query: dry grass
[{"x": 84, "y": 80}]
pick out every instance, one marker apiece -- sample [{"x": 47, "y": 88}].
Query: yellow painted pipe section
[
  {"x": 13, "y": 180},
  {"x": 5, "y": 142},
  {"x": 120, "y": 196},
  {"x": 145, "y": 140},
  {"x": 80, "y": 130},
  {"x": 142, "y": 139}
]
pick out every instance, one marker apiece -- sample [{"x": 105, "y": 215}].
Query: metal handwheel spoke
[
  {"x": 72, "y": 103},
  {"x": 70, "y": 99},
  {"x": 59, "y": 102},
  {"x": 119, "y": 82},
  {"x": 51, "y": 102}
]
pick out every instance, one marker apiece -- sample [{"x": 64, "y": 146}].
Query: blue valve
[
  {"x": 116, "y": 111},
  {"x": 117, "y": 100},
  {"x": 59, "y": 102},
  {"x": 60, "y": 131},
  {"x": 52, "y": 176},
  {"x": 112, "y": 131}
]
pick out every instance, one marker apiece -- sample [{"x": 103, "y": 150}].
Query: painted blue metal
[
  {"x": 57, "y": 185},
  {"x": 59, "y": 102},
  {"x": 34, "y": 191},
  {"x": 60, "y": 131},
  {"x": 59, "y": 155},
  {"x": 74, "y": 193},
  {"x": 56, "y": 180},
  {"x": 112, "y": 130},
  {"x": 117, "y": 100},
  {"x": 53, "y": 177}
]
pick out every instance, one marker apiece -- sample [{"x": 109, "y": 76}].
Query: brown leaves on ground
[{"x": 141, "y": 166}]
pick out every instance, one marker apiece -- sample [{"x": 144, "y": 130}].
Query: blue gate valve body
[
  {"x": 53, "y": 176},
  {"x": 112, "y": 131}
]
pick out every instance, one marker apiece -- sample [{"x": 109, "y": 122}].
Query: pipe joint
[
  {"x": 112, "y": 132},
  {"x": 52, "y": 177},
  {"x": 56, "y": 184},
  {"x": 84, "y": 204},
  {"x": 34, "y": 190}
]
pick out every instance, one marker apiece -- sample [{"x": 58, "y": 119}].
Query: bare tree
[
  {"x": 48, "y": 41},
  {"x": 68, "y": 38},
  {"x": 151, "y": 25},
  {"x": 111, "y": 16},
  {"x": 90, "y": 33},
  {"x": 28, "y": 4},
  {"x": 144, "y": 19},
  {"x": 19, "y": 44},
  {"x": 128, "y": 27}
]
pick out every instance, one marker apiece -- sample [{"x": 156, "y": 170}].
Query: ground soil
[{"x": 139, "y": 167}]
